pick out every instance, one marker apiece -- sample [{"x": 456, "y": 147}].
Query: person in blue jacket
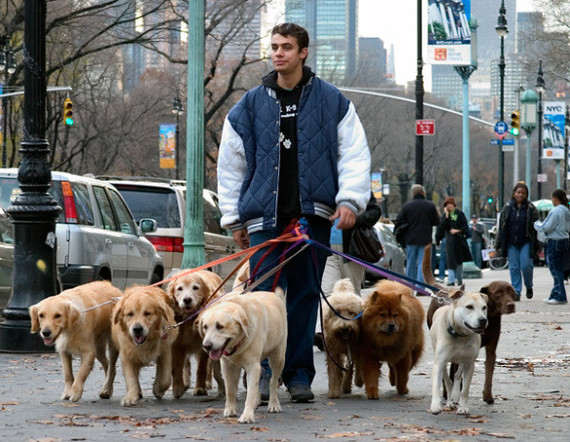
[
  {"x": 292, "y": 147},
  {"x": 555, "y": 229}
]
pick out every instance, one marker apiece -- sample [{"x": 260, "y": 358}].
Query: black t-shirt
[{"x": 288, "y": 203}]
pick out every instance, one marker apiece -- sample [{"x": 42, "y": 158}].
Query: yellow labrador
[
  {"x": 242, "y": 330},
  {"x": 78, "y": 323},
  {"x": 139, "y": 331},
  {"x": 456, "y": 337}
]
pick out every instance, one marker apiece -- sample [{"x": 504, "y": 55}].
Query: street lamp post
[
  {"x": 8, "y": 66},
  {"x": 177, "y": 109},
  {"x": 502, "y": 31},
  {"x": 33, "y": 211},
  {"x": 419, "y": 101},
  {"x": 540, "y": 89},
  {"x": 528, "y": 123}
]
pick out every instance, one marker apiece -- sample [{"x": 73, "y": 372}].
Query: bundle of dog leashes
[{"x": 295, "y": 233}]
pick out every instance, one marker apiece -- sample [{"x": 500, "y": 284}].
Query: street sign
[
  {"x": 507, "y": 142},
  {"x": 541, "y": 178},
  {"x": 425, "y": 127},
  {"x": 501, "y": 128}
]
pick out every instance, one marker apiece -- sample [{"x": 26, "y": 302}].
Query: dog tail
[
  {"x": 343, "y": 285},
  {"x": 281, "y": 293},
  {"x": 426, "y": 268}
]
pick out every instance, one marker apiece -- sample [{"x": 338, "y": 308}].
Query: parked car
[
  {"x": 6, "y": 257},
  {"x": 97, "y": 237},
  {"x": 394, "y": 258},
  {"x": 165, "y": 201}
]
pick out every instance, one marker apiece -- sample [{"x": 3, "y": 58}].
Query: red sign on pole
[{"x": 425, "y": 127}]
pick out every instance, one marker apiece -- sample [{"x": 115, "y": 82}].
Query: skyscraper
[{"x": 333, "y": 30}]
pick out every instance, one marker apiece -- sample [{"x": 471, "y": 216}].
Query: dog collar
[{"x": 453, "y": 333}]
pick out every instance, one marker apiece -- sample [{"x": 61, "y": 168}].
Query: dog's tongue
[
  {"x": 215, "y": 355},
  {"x": 139, "y": 339},
  {"x": 48, "y": 341}
]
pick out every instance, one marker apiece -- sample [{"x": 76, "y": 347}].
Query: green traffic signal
[
  {"x": 515, "y": 123},
  {"x": 68, "y": 112},
  {"x": 490, "y": 200}
]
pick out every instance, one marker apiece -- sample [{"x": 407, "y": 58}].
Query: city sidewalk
[{"x": 531, "y": 388}]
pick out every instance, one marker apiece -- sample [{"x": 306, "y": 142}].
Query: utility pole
[{"x": 194, "y": 255}]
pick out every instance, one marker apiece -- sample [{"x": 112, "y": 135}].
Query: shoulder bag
[{"x": 364, "y": 244}]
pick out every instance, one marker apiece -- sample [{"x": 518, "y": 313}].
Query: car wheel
[
  {"x": 104, "y": 275},
  {"x": 156, "y": 277}
]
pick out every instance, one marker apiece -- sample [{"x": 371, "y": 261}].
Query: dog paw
[
  {"x": 230, "y": 411},
  {"x": 178, "y": 391},
  {"x": 76, "y": 395},
  {"x": 488, "y": 398},
  {"x": 158, "y": 390},
  {"x": 403, "y": 390},
  {"x": 463, "y": 410},
  {"x": 129, "y": 400},
  {"x": 435, "y": 409},
  {"x": 247, "y": 417},
  {"x": 274, "y": 407},
  {"x": 200, "y": 391},
  {"x": 106, "y": 393}
]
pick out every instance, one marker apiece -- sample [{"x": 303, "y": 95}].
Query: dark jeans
[
  {"x": 476, "y": 253},
  {"x": 302, "y": 284},
  {"x": 555, "y": 256}
]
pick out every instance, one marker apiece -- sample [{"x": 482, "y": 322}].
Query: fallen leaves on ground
[{"x": 347, "y": 434}]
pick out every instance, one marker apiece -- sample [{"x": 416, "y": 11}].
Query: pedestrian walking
[
  {"x": 453, "y": 225},
  {"x": 414, "y": 228},
  {"x": 477, "y": 240},
  {"x": 516, "y": 238},
  {"x": 292, "y": 147},
  {"x": 555, "y": 229}
]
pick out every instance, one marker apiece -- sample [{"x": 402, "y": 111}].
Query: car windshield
[
  {"x": 10, "y": 189},
  {"x": 158, "y": 204}
]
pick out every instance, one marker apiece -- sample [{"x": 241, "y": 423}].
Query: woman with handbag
[
  {"x": 338, "y": 267},
  {"x": 454, "y": 226}
]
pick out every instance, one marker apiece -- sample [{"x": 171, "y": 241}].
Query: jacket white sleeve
[
  {"x": 353, "y": 163},
  {"x": 231, "y": 172}
]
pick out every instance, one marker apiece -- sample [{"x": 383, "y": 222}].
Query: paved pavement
[{"x": 531, "y": 386}]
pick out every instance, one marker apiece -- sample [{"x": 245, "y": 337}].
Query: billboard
[
  {"x": 449, "y": 34},
  {"x": 376, "y": 184},
  {"x": 167, "y": 146},
  {"x": 553, "y": 130}
]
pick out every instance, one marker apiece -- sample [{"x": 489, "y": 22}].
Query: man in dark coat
[{"x": 414, "y": 226}]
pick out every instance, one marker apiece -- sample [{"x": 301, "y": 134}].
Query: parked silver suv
[
  {"x": 165, "y": 201},
  {"x": 97, "y": 237}
]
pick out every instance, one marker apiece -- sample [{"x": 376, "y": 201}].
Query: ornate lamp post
[
  {"x": 528, "y": 123},
  {"x": 8, "y": 66},
  {"x": 177, "y": 109},
  {"x": 540, "y": 90},
  {"x": 502, "y": 31},
  {"x": 34, "y": 211},
  {"x": 419, "y": 100}
]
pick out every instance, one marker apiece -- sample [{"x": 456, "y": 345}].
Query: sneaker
[
  {"x": 554, "y": 301},
  {"x": 517, "y": 297},
  {"x": 264, "y": 385},
  {"x": 301, "y": 393},
  {"x": 318, "y": 341},
  {"x": 450, "y": 284},
  {"x": 529, "y": 293}
]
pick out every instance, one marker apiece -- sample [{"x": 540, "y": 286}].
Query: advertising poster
[
  {"x": 553, "y": 130},
  {"x": 449, "y": 35},
  {"x": 167, "y": 146},
  {"x": 1, "y": 116},
  {"x": 376, "y": 184}
]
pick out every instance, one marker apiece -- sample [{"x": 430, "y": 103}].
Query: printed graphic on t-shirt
[{"x": 288, "y": 111}]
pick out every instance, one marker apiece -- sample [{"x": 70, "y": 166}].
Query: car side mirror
[{"x": 148, "y": 225}]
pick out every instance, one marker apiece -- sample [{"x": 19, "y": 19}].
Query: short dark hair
[
  {"x": 293, "y": 30},
  {"x": 560, "y": 195}
]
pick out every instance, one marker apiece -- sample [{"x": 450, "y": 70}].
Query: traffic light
[
  {"x": 68, "y": 112},
  {"x": 515, "y": 123},
  {"x": 490, "y": 199}
]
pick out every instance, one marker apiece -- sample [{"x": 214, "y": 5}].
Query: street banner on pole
[
  {"x": 167, "y": 146},
  {"x": 1, "y": 116},
  {"x": 449, "y": 35},
  {"x": 376, "y": 184},
  {"x": 553, "y": 130}
]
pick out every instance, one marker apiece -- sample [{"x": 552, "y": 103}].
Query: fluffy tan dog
[
  {"x": 78, "y": 325},
  {"x": 243, "y": 330},
  {"x": 392, "y": 331},
  {"x": 189, "y": 294},
  {"x": 341, "y": 337},
  {"x": 241, "y": 277},
  {"x": 139, "y": 331}
]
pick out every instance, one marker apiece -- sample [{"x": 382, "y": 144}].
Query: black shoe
[
  {"x": 301, "y": 393},
  {"x": 264, "y": 385},
  {"x": 517, "y": 297},
  {"x": 318, "y": 341},
  {"x": 450, "y": 284},
  {"x": 529, "y": 293}
]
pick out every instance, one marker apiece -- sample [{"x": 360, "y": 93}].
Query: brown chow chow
[{"x": 392, "y": 331}]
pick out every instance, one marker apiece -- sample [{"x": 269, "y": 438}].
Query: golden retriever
[
  {"x": 79, "y": 325},
  {"x": 392, "y": 331},
  {"x": 341, "y": 337},
  {"x": 189, "y": 294},
  {"x": 243, "y": 330},
  {"x": 139, "y": 331}
]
